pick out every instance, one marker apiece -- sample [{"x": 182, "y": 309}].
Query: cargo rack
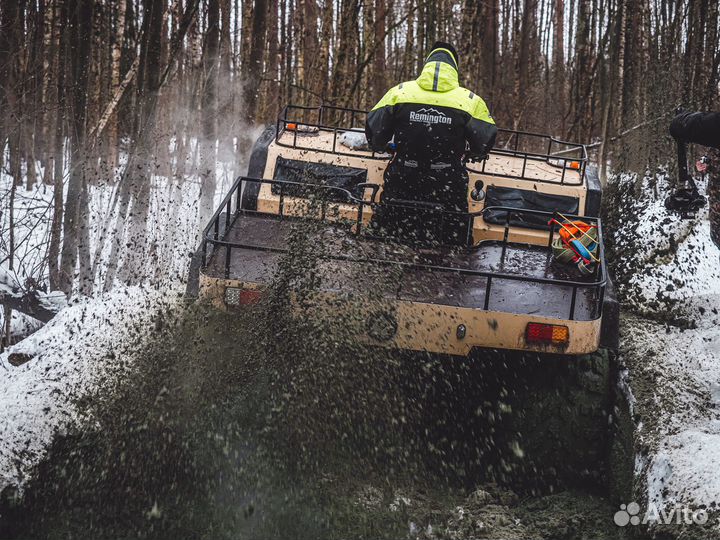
[
  {"x": 214, "y": 241},
  {"x": 530, "y": 147}
]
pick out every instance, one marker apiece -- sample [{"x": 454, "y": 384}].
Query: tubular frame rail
[
  {"x": 558, "y": 153},
  {"x": 230, "y": 209}
]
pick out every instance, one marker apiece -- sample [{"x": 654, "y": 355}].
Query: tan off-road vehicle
[
  {"x": 502, "y": 290},
  {"x": 500, "y": 297}
]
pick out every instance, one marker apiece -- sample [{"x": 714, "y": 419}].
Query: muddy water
[{"x": 271, "y": 423}]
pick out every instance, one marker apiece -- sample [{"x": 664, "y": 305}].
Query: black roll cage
[
  {"x": 560, "y": 154},
  {"x": 214, "y": 238}
]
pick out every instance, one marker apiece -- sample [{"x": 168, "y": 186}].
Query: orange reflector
[
  {"x": 242, "y": 297},
  {"x": 291, "y": 127},
  {"x": 547, "y": 333},
  {"x": 574, "y": 165}
]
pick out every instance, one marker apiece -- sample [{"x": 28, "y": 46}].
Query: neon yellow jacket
[{"x": 432, "y": 118}]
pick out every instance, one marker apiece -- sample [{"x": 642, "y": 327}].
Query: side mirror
[{"x": 478, "y": 194}]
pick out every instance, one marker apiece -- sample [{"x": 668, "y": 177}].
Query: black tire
[
  {"x": 563, "y": 417},
  {"x": 536, "y": 421},
  {"x": 256, "y": 167}
]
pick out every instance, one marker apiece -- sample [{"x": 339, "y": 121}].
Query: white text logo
[
  {"x": 629, "y": 514},
  {"x": 429, "y": 116}
]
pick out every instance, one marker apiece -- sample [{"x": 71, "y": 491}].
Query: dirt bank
[{"x": 668, "y": 274}]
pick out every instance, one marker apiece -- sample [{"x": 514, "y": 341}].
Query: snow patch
[
  {"x": 354, "y": 139},
  {"x": 687, "y": 470},
  {"x": 86, "y": 348},
  {"x": 670, "y": 267},
  {"x": 674, "y": 374}
]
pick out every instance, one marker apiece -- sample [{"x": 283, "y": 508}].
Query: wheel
[{"x": 562, "y": 414}]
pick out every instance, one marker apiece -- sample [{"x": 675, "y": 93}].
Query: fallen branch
[
  {"x": 117, "y": 96},
  {"x": 36, "y": 304},
  {"x": 29, "y": 300},
  {"x": 627, "y": 131}
]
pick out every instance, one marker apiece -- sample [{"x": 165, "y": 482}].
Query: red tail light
[{"x": 547, "y": 333}]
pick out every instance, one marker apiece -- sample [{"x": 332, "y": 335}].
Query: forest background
[{"x": 105, "y": 104}]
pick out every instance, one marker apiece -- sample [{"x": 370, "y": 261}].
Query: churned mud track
[
  {"x": 271, "y": 423},
  {"x": 228, "y": 431}
]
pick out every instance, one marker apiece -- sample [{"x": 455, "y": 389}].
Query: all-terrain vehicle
[
  {"x": 503, "y": 293},
  {"x": 503, "y": 289}
]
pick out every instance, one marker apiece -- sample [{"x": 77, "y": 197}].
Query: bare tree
[
  {"x": 75, "y": 216},
  {"x": 136, "y": 83},
  {"x": 254, "y": 69}
]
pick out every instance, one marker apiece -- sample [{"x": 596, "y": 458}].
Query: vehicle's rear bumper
[{"x": 433, "y": 328}]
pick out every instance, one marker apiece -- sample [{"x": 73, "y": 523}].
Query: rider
[
  {"x": 435, "y": 124},
  {"x": 697, "y": 127},
  {"x": 704, "y": 128}
]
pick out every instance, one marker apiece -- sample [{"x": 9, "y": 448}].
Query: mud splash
[
  {"x": 271, "y": 423},
  {"x": 211, "y": 441}
]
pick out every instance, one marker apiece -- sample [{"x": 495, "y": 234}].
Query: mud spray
[{"x": 276, "y": 422}]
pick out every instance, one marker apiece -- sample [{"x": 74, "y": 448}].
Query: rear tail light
[
  {"x": 547, "y": 333},
  {"x": 242, "y": 297}
]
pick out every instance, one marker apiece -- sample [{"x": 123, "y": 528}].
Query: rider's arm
[
  {"x": 698, "y": 127},
  {"x": 380, "y": 125},
  {"x": 480, "y": 130}
]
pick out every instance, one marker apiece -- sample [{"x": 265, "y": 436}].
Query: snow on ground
[
  {"x": 671, "y": 273},
  {"x": 86, "y": 348},
  {"x": 672, "y": 266},
  {"x": 675, "y": 378},
  {"x": 21, "y": 326}
]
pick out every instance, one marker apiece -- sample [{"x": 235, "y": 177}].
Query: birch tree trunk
[
  {"x": 141, "y": 166},
  {"x": 117, "y": 46},
  {"x": 558, "y": 76},
  {"x": 58, "y": 154},
  {"x": 209, "y": 113},
  {"x": 255, "y": 59},
  {"x": 379, "y": 82},
  {"x": 75, "y": 215}
]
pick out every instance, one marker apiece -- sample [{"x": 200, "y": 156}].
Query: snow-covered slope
[
  {"x": 669, "y": 270},
  {"x": 674, "y": 374},
  {"x": 86, "y": 348}
]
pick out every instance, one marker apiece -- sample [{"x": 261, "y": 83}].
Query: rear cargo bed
[{"x": 442, "y": 276}]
